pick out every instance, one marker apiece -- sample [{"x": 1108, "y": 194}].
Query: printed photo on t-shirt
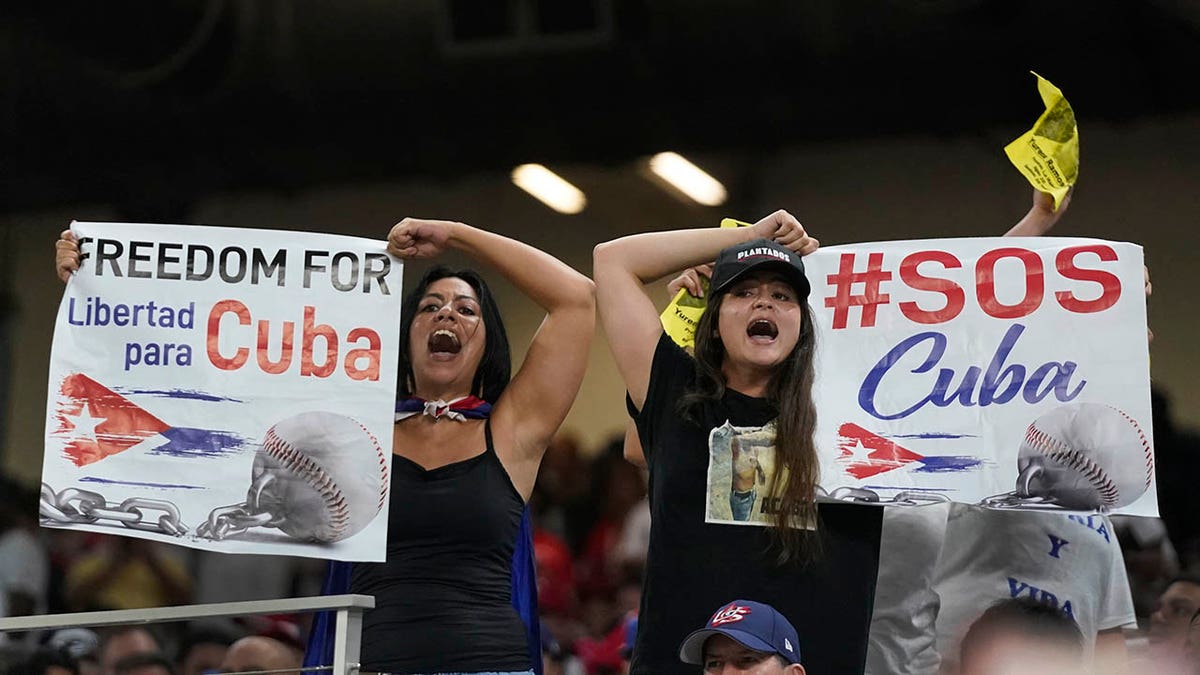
[{"x": 741, "y": 461}]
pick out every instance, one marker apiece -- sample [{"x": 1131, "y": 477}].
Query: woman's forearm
[
  {"x": 653, "y": 255},
  {"x": 546, "y": 280}
]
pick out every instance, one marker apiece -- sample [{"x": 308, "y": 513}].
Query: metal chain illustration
[
  {"x": 866, "y": 496},
  {"x": 1024, "y": 498},
  {"x": 73, "y": 505},
  {"x": 1014, "y": 500},
  {"x": 226, "y": 521}
]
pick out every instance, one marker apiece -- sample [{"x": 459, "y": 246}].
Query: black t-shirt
[{"x": 709, "y": 540}]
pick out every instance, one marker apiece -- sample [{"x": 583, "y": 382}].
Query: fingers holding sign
[
  {"x": 1043, "y": 202},
  {"x": 692, "y": 279},
  {"x": 66, "y": 255}
]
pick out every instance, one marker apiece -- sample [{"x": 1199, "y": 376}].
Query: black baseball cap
[{"x": 757, "y": 254}]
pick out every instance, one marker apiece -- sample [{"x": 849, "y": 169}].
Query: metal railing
[{"x": 347, "y": 624}]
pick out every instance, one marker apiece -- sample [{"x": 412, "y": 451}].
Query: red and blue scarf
[{"x": 459, "y": 409}]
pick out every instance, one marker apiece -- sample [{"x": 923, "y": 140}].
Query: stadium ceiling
[{"x": 126, "y": 101}]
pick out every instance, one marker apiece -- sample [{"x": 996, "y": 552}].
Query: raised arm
[
  {"x": 541, "y": 393},
  {"x": 1041, "y": 217},
  {"x": 623, "y": 266}
]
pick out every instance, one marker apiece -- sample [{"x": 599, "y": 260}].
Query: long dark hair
[
  {"x": 790, "y": 391},
  {"x": 495, "y": 367}
]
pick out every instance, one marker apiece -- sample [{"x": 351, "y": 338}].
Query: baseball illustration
[
  {"x": 1085, "y": 456},
  {"x": 311, "y": 473}
]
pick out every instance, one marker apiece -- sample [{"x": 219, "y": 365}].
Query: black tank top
[{"x": 443, "y": 598}]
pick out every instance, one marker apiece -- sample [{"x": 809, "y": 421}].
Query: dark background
[{"x": 150, "y": 105}]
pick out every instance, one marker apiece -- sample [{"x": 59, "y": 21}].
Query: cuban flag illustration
[
  {"x": 864, "y": 454},
  {"x": 95, "y": 423}
]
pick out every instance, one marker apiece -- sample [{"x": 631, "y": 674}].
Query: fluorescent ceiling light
[
  {"x": 688, "y": 178},
  {"x": 549, "y": 188}
]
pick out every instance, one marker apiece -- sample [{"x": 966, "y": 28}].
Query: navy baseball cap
[
  {"x": 751, "y": 624},
  {"x": 735, "y": 261}
]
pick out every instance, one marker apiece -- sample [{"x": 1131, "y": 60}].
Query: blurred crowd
[{"x": 592, "y": 525}]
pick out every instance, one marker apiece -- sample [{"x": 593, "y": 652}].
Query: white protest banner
[
  {"x": 1007, "y": 371},
  {"x": 225, "y": 389}
]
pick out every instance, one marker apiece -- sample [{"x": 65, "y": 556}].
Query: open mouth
[
  {"x": 762, "y": 329},
  {"x": 444, "y": 342}
]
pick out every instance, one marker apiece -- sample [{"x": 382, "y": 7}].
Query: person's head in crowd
[
  {"x": 82, "y": 645},
  {"x": 124, "y": 642},
  {"x": 46, "y": 660},
  {"x": 1172, "y": 612},
  {"x": 744, "y": 637},
  {"x": 1022, "y": 636},
  {"x": 202, "y": 649},
  {"x": 257, "y": 653},
  {"x": 143, "y": 664},
  {"x": 279, "y": 627}
]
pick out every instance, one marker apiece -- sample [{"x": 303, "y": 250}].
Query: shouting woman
[{"x": 728, "y": 437}]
